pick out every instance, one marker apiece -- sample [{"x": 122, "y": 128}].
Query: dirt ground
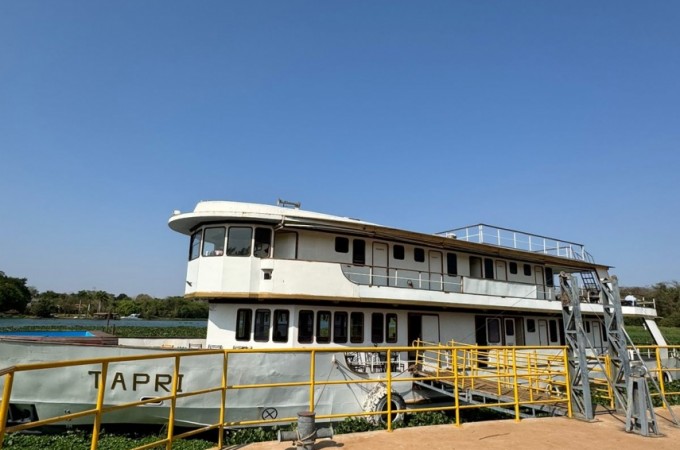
[{"x": 606, "y": 432}]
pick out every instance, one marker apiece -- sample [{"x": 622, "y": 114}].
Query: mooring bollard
[{"x": 306, "y": 433}]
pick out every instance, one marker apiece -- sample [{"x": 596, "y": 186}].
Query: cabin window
[
  {"x": 342, "y": 245},
  {"x": 243, "y": 321},
  {"x": 263, "y": 242},
  {"x": 262, "y": 323},
  {"x": 340, "y": 327},
  {"x": 510, "y": 327},
  {"x": 527, "y": 270},
  {"x": 552, "y": 330},
  {"x": 451, "y": 264},
  {"x": 419, "y": 255},
  {"x": 238, "y": 243},
  {"x": 391, "y": 328},
  {"x": 488, "y": 268},
  {"x": 359, "y": 252},
  {"x": 475, "y": 267},
  {"x": 195, "y": 245},
  {"x": 493, "y": 331},
  {"x": 377, "y": 328},
  {"x": 213, "y": 241},
  {"x": 398, "y": 252},
  {"x": 356, "y": 327},
  {"x": 323, "y": 327},
  {"x": 305, "y": 327},
  {"x": 513, "y": 268},
  {"x": 281, "y": 317},
  {"x": 531, "y": 326},
  {"x": 549, "y": 281}
]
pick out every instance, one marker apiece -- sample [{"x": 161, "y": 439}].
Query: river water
[{"x": 100, "y": 323}]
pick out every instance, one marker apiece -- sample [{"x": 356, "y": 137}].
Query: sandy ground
[{"x": 606, "y": 432}]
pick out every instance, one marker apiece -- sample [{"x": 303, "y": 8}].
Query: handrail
[{"x": 529, "y": 375}]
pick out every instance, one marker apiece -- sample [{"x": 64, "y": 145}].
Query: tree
[{"x": 14, "y": 294}]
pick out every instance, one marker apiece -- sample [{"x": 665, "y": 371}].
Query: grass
[{"x": 640, "y": 336}]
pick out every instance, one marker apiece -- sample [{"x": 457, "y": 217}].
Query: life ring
[{"x": 377, "y": 402}]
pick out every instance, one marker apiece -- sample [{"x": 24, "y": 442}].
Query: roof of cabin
[{"x": 220, "y": 211}]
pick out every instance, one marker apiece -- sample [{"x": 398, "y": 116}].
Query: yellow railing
[{"x": 519, "y": 377}]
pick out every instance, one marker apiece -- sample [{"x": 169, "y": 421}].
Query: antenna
[{"x": 286, "y": 203}]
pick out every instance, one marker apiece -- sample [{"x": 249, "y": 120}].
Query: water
[
  {"x": 101, "y": 323},
  {"x": 59, "y": 334}
]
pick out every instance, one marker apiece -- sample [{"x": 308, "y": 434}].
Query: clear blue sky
[{"x": 558, "y": 118}]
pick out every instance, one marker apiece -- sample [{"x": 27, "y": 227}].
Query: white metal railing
[{"x": 519, "y": 240}]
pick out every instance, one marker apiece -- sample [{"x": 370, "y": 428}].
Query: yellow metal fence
[{"x": 519, "y": 377}]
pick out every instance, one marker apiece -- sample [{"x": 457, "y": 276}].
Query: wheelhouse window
[
  {"x": 493, "y": 331},
  {"x": 391, "y": 320},
  {"x": 377, "y": 328},
  {"x": 238, "y": 243},
  {"x": 451, "y": 264},
  {"x": 195, "y": 245},
  {"x": 323, "y": 327},
  {"x": 513, "y": 268},
  {"x": 263, "y": 242},
  {"x": 475, "y": 267},
  {"x": 243, "y": 322},
  {"x": 342, "y": 245},
  {"x": 552, "y": 330},
  {"x": 527, "y": 270},
  {"x": 419, "y": 255},
  {"x": 281, "y": 319},
  {"x": 356, "y": 327},
  {"x": 340, "y": 327},
  {"x": 262, "y": 323},
  {"x": 549, "y": 278},
  {"x": 398, "y": 252},
  {"x": 305, "y": 327},
  {"x": 213, "y": 241},
  {"x": 359, "y": 251}
]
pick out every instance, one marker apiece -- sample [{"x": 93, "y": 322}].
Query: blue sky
[{"x": 558, "y": 118}]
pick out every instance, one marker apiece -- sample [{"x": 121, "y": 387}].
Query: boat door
[
  {"x": 501, "y": 272},
  {"x": 380, "y": 269},
  {"x": 436, "y": 271},
  {"x": 510, "y": 332},
  {"x": 540, "y": 282},
  {"x": 597, "y": 335},
  {"x": 424, "y": 327},
  {"x": 543, "y": 332}
]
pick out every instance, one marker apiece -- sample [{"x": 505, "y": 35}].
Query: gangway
[{"x": 518, "y": 381}]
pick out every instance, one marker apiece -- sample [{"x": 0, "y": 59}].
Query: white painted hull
[{"x": 56, "y": 392}]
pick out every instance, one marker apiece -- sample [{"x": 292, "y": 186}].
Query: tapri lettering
[{"x": 138, "y": 381}]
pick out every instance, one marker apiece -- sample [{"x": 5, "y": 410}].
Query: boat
[
  {"x": 133, "y": 316},
  {"x": 280, "y": 277}
]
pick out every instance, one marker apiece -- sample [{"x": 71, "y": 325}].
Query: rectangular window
[
  {"x": 195, "y": 245},
  {"x": 552, "y": 330},
  {"x": 263, "y": 242},
  {"x": 418, "y": 255},
  {"x": 549, "y": 277},
  {"x": 238, "y": 243},
  {"x": 451, "y": 264},
  {"x": 262, "y": 323},
  {"x": 488, "y": 268},
  {"x": 359, "y": 252},
  {"x": 244, "y": 319},
  {"x": 342, "y": 245},
  {"x": 475, "y": 267},
  {"x": 340, "y": 327},
  {"x": 306, "y": 327},
  {"x": 513, "y": 268},
  {"x": 281, "y": 317},
  {"x": 586, "y": 325},
  {"x": 527, "y": 270},
  {"x": 493, "y": 331},
  {"x": 213, "y": 241},
  {"x": 391, "y": 328},
  {"x": 377, "y": 328},
  {"x": 398, "y": 252},
  {"x": 323, "y": 327},
  {"x": 531, "y": 326},
  {"x": 510, "y": 327},
  {"x": 356, "y": 327}
]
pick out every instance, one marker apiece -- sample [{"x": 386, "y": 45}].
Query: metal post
[
  {"x": 6, "y": 394},
  {"x": 100, "y": 404}
]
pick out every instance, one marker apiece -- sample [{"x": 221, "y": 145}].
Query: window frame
[
  {"x": 243, "y": 335},
  {"x": 356, "y": 329},
  {"x": 259, "y": 335},
  {"x": 310, "y": 324},
  {"x": 281, "y": 337},
  {"x": 319, "y": 330}
]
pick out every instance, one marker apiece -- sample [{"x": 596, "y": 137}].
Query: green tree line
[{"x": 18, "y": 298}]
